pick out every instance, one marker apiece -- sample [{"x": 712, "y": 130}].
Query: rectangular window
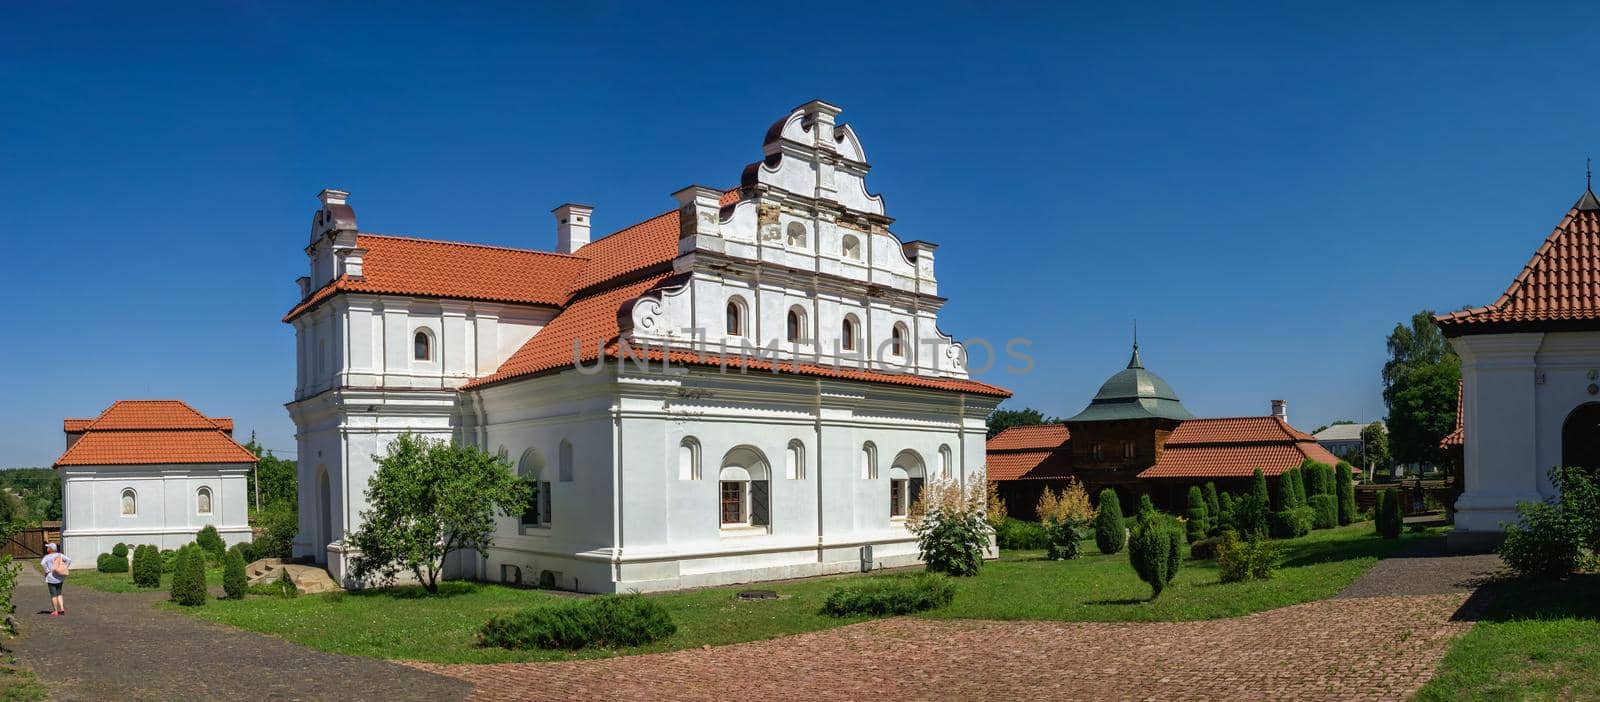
[
  {"x": 732, "y": 502},
  {"x": 897, "y": 498},
  {"x": 1127, "y": 449}
]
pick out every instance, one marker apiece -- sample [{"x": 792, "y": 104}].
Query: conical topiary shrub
[
  {"x": 1150, "y": 550},
  {"x": 1213, "y": 509},
  {"x": 234, "y": 582},
  {"x": 1251, "y": 511},
  {"x": 1226, "y": 519},
  {"x": 1346, "y": 489},
  {"x": 189, "y": 577},
  {"x": 146, "y": 566},
  {"x": 211, "y": 542},
  {"x": 1110, "y": 534},
  {"x": 1199, "y": 517}
]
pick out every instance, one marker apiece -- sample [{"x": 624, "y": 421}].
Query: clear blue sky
[{"x": 1268, "y": 190}]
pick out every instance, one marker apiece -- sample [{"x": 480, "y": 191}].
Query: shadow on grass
[
  {"x": 1524, "y": 599},
  {"x": 1312, "y": 553},
  {"x": 1123, "y": 601},
  {"x": 447, "y": 589}
]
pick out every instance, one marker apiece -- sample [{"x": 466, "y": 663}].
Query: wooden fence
[
  {"x": 1441, "y": 492},
  {"x": 29, "y": 543}
]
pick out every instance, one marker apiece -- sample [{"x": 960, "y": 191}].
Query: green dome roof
[{"x": 1133, "y": 393}]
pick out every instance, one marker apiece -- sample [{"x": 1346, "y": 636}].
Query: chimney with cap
[
  {"x": 572, "y": 226},
  {"x": 1280, "y": 410}
]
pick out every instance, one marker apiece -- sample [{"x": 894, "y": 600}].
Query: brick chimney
[
  {"x": 1280, "y": 409},
  {"x": 572, "y": 226}
]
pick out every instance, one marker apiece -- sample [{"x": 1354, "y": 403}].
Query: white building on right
[{"x": 1530, "y": 366}]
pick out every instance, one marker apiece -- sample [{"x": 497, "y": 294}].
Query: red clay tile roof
[
  {"x": 1558, "y": 288},
  {"x": 1235, "y": 447},
  {"x": 1459, "y": 436},
  {"x": 142, "y": 432},
  {"x": 1039, "y": 452}
]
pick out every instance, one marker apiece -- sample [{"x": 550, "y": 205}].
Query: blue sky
[{"x": 1267, "y": 190}]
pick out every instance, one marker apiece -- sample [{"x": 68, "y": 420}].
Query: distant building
[
  {"x": 1530, "y": 378},
  {"x": 1343, "y": 439},
  {"x": 1137, "y": 438},
  {"x": 150, "y": 472}
]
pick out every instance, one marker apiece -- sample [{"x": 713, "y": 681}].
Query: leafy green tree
[
  {"x": 234, "y": 582},
  {"x": 277, "y": 477},
  {"x": 1003, "y": 419},
  {"x": 1374, "y": 446},
  {"x": 1420, "y": 381},
  {"x": 279, "y": 523},
  {"x": 1199, "y": 519},
  {"x": 429, "y": 498}
]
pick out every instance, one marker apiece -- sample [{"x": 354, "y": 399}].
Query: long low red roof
[
  {"x": 1234, "y": 447},
  {"x": 1038, "y": 452},
  {"x": 146, "y": 432}
]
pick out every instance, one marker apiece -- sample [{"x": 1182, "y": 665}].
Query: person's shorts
[{"x": 55, "y": 589}]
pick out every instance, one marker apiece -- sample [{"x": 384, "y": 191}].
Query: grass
[
  {"x": 407, "y": 624},
  {"x": 1538, "y": 640},
  {"x": 18, "y": 683},
  {"x": 123, "y": 582}
]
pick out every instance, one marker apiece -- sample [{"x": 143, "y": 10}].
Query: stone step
[{"x": 309, "y": 580}]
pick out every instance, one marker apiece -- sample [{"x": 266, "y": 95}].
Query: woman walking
[{"x": 55, "y": 566}]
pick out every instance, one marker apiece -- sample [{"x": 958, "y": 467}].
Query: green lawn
[
  {"x": 405, "y": 624},
  {"x": 1537, "y": 641},
  {"x": 123, "y": 582}
]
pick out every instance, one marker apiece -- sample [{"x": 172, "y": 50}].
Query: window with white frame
[
  {"x": 946, "y": 463},
  {"x": 531, "y": 469},
  {"x": 905, "y": 482},
  {"x": 869, "y": 461},
  {"x": 422, "y": 346},
  {"x": 130, "y": 503},
  {"x": 795, "y": 326},
  {"x": 689, "y": 459},
  {"x": 850, "y": 333},
  {"x": 794, "y": 467},
  {"x": 736, "y": 318},
  {"x": 897, "y": 340},
  {"x": 743, "y": 489},
  {"x": 202, "y": 501}
]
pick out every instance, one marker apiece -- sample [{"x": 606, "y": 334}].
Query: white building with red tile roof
[
  {"x": 1530, "y": 378},
  {"x": 750, "y": 386},
  {"x": 150, "y": 472}
]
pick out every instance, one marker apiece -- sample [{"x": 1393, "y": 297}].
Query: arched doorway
[
  {"x": 1580, "y": 437},
  {"x": 324, "y": 516}
]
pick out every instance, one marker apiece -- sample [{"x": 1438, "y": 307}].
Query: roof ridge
[{"x": 448, "y": 242}]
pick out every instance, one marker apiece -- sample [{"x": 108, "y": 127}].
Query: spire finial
[
  {"x": 1588, "y": 174},
  {"x": 1135, "y": 333},
  {"x": 1134, "y": 361}
]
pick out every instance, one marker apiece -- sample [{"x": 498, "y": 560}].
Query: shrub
[
  {"x": 1254, "y": 558},
  {"x": 246, "y": 551},
  {"x": 147, "y": 566},
  {"x": 1225, "y": 517},
  {"x": 110, "y": 563},
  {"x": 120, "y": 551},
  {"x": 234, "y": 581},
  {"x": 609, "y": 621},
  {"x": 211, "y": 542},
  {"x": 189, "y": 577},
  {"x": 951, "y": 528},
  {"x": 1061, "y": 541},
  {"x": 1145, "y": 505},
  {"x": 1150, "y": 550},
  {"x": 269, "y": 589},
  {"x": 1213, "y": 509},
  {"x": 1206, "y": 549},
  {"x": 169, "y": 560},
  {"x": 890, "y": 595},
  {"x": 1199, "y": 517},
  {"x": 279, "y": 525},
  {"x": 994, "y": 508},
  {"x": 1018, "y": 535},
  {"x": 1324, "y": 511},
  {"x": 1549, "y": 537},
  {"x": 1065, "y": 518},
  {"x": 1110, "y": 534},
  {"x": 1388, "y": 518},
  {"x": 1250, "y": 512},
  {"x": 1286, "y": 492},
  {"x": 1299, "y": 487},
  {"x": 1292, "y": 523},
  {"x": 1345, "y": 486}
]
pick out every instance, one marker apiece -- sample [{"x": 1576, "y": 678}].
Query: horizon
[{"x": 1267, "y": 193}]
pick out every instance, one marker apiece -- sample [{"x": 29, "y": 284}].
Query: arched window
[
  {"x": 422, "y": 346},
  {"x": 565, "y": 461},
  {"x": 905, "y": 482},
  {"x": 869, "y": 461},
  {"x": 946, "y": 463},
  {"x": 202, "y": 501},
  {"x": 797, "y": 235},
  {"x": 796, "y": 324},
  {"x": 794, "y": 464},
  {"x": 851, "y": 247},
  {"x": 689, "y": 459},
  {"x": 849, "y": 333},
  {"x": 736, "y": 325},
  {"x": 898, "y": 340},
  {"x": 531, "y": 469},
  {"x": 130, "y": 503},
  {"x": 743, "y": 489}
]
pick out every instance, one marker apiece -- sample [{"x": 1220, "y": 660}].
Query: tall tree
[
  {"x": 429, "y": 498},
  {"x": 1419, "y": 388},
  {"x": 1003, "y": 419},
  {"x": 1375, "y": 446},
  {"x": 277, "y": 477}
]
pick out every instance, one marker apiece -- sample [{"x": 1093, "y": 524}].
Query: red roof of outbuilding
[
  {"x": 1235, "y": 447},
  {"x": 1039, "y": 452},
  {"x": 1559, "y": 288},
  {"x": 142, "y": 432},
  {"x": 1457, "y": 437}
]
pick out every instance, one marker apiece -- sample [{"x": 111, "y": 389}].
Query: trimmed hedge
[
  {"x": 211, "y": 542},
  {"x": 1345, "y": 491},
  {"x": 1206, "y": 549},
  {"x": 608, "y": 621},
  {"x": 111, "y": 563},
  {"x": 1213, "y": 509},
  {"x": 1388, "y": 517},
  {"x": 1155, "y": 549},
  {"x": 120, "y": 551},
  {"x": 1292, "y": 523},
  {"x": 1019, "y": 535},
  {"x": 890, "y": 595},
  {"x": 147, "y": 566},
  {"x": 234, "y": 581},
  {"x": 1110, "y": 534},
  {"x": 1250, "y": 512},
  {"x": 1255, "y": 558},
  {"x": 1324, "y": 511},
  {"x": 169, "y": 560},
  {"x": 1198, "y": 515},
  {"x": 189, "y": 577}
]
